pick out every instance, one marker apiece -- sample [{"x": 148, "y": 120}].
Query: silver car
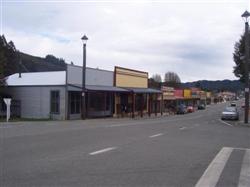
[{"x": 230, "y": 113}]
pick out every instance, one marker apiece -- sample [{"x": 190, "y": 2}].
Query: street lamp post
[
  {"x": 84, "y": 40},
  {"x": 245, "y": 16}
]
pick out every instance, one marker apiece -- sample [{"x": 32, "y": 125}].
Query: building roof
[
  {"x": 37, "y": 78},
  {"x": 144, "y": 90},
  {"x": 97, "y": 88}
]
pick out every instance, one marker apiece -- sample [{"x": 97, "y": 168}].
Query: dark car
[
  {"x": 201, "y": 107},
  {"x": 181, "y": 109},
  {"x": 230, "y": 113}
]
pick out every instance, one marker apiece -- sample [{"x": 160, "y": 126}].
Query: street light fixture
[
  {"x": 84, "y": 40},
  {"x": 245, "y": 17}
]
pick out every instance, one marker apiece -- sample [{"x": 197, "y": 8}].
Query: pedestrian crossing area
[{"x": 230, "y": 167}]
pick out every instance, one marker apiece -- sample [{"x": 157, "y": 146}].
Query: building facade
[{"x": 58, "y": 95}]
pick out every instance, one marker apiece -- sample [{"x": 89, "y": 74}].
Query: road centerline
[
  {"x": 156, "y": 135},
  {"x": 103, "y": 150}
]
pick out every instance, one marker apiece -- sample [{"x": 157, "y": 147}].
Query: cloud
[{"x": 193, "y": 39}]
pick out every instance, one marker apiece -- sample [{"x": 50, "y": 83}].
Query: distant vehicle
[
  {"x": 190, "y": 109},
  {"x": 233, "y": 104},
  {"x": 201, "y": 107},
  {"x": 230, "y": 113},
  {"x": 181, "y": 109}
]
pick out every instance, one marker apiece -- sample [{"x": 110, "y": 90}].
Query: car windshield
[{"x": 230, "y": 109}]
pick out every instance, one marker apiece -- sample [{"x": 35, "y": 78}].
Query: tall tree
[
  {"x": 172, "y": 79},
  {"x": 157, "y": 78},
  {"x": 239, "y": 51},
  {"x": 3, "y": 65}
]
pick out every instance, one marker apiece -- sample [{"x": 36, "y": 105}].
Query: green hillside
[{"x": 13, "y": 61}]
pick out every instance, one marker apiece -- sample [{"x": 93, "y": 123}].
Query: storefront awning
[
  {"x": 144, "y": 90},
  {"x": 105, "y": 88},
  {"x": 96, "y": 88}
]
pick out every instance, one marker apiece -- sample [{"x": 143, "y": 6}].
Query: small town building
[
  {"x": 140, "y": 99},
  {"x": 58, "y": 94}
]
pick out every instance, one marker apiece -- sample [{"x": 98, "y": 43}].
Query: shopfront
[{"x": 140, "y": 100}]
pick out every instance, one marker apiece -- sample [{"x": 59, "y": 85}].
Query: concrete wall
[
  {"x": 35, "y": 101},
  {"x": 93, "y": 76}
]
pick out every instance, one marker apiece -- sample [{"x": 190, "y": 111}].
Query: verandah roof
[
  {"x": 144, "y": 90},
  {"x": 78, "y": 87}
]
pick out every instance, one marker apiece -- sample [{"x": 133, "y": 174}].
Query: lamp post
[
  {"x": 245, "y": 16},
  {"x": 84, "y": 40}
]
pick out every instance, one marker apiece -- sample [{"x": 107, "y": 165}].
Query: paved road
[{"x": 188, "y": 150}]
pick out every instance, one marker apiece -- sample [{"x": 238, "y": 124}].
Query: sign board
[
  {"x": 8, "y": 103},
  {"x": 187, "y": 93},
  {"x": 167, "y": 89}
]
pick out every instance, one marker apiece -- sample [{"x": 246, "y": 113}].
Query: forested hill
[
  {"x": 11, "y": 60},
  {"x": 219, "y": 85}
]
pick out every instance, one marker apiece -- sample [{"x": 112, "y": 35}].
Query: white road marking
[
  {"x": 102, "y": 151},
  {"x": 240, "y": 148},
  {"x": 10, "y": 126},
  {"x": 225, "y": 123},
  {"x": 183, "y": 128},
  {"x": 155, "y": 135},
  {"x": 244, "y": 180},
  {"x": 212, "y": 174}
]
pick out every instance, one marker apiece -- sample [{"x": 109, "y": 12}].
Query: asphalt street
[{"x": 196, "y": 149}]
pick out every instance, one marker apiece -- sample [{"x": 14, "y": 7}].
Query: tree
[
  {"x": 54, "y": 60},
  {"x": 157, "y": 78},
  {"x": 172, "y": 79},
  {"x": 239, "y": 51},
  {"x": 3, "y": 64}
]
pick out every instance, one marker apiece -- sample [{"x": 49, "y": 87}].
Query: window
[
  {"x": 140, "y": 102},
  {"x": 75, "y": 102},
  {"x": 99, "y": 101},
  {"x": 54, "y": 102}
]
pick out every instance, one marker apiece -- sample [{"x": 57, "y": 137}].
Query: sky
[{"x": 194, "y": 38}]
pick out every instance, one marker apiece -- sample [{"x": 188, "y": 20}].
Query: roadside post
[
  {"x": 8, "y": 103},
  {"x": 245, "y": 16}
]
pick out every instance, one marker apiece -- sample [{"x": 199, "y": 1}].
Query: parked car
[
  {"x": 181, "y": 109},
  {"x": 230, "y": 113},
  {"x": 233, "y": 104},
  {"x": 190, "y": 109},
  {"x": 201, "y": 107}
]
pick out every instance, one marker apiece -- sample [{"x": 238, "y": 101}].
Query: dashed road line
[
  {"x": 212, "y": 174},
  {"x": 183, "y": 128},
  {"x": 103, "y": 151},
  {"x": 156, "y": 135}
]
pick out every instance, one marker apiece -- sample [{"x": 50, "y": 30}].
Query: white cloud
[{"x": 193, "y": 39}]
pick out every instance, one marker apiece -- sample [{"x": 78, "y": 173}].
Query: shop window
[
  {"x": 141, "y": 102},
  {"x": 75, "y": 102},
  {"x": 55, "y": 102},
  {"x": 99, "y": 101}
]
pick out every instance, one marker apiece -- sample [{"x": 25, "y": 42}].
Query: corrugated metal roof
[
  {"x": 144, "y": 90},
  {"x": 105, "y": 88},
  {"x": 37, "y": 78},
  {"x": 99, "y": 88}
]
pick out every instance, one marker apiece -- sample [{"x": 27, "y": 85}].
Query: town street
[{"x": 196, "y": 149}]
